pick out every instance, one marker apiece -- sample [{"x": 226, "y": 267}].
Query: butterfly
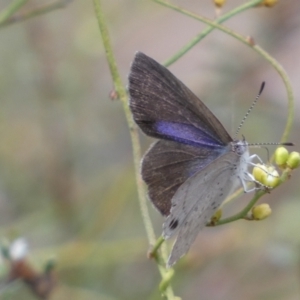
[{"x": 195, "y": 164}]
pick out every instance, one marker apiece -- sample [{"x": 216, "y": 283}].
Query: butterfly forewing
[{"x": 165, "y": 108}]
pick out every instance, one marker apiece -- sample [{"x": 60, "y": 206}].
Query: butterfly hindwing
[
  {"x": 167, "y": 165},
  {"x": 197, "y": 200}
]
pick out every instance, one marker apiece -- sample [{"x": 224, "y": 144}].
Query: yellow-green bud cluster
[
  {"x": 285, "y": 159},
  {"x": 266, "y": 175}
]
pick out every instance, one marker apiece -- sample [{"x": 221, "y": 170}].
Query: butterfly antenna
[
  {"x": 258, "y": 145},
  {"x": 250, "y": 109}
]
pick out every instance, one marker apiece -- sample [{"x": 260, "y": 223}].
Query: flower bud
[
  {"x": 219, "y": 3},
  {"x": 259, "y": 172},
  {"x": 269, "y": 3},
  {"x": 261, "y": 211},
  {"x": 217, "y": 216},
  {"x": 281, "y": 156},
  {"x": 271, "y": 177},
  {"x": 293, "y": 161}
]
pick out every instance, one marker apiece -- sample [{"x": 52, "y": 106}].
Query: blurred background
[{"x": 66, "y": 174}]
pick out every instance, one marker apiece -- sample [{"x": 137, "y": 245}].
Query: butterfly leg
[
  {"x": 250, "y": 178},
  {"x": 244, "y": 184},
  {"x": 252, "y": 157}
]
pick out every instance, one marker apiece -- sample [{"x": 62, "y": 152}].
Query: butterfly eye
[{"x": 173, "y": 224}]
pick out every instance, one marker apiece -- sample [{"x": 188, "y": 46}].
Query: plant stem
[
  {"x": 208, "y": 29},
  {"x": 10, "y": 10},
  {"x": 121, "y": 91},
  {"x": 43, "y": 9},
  {"x": 243, "y": 213}
]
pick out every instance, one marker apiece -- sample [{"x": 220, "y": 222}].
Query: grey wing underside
[{"x": 196, "y": 201}]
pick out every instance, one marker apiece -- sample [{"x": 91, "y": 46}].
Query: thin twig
[
  {"x": 208, "y": 29},
  {"x": 40, "y": 10},
  {"x": 10, "y": 10}
]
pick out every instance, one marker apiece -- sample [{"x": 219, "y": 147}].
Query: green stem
[
  {"x": 243, "y": 213},
  {"x": 43, "y": 9},
  {"x": 121, "y": 91},
  {"x": 122, "y": 94},
  {"x": 156, "y": 246},
  {"x": 208, "y": 29},
  {"x": 10, "y": 10}
]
